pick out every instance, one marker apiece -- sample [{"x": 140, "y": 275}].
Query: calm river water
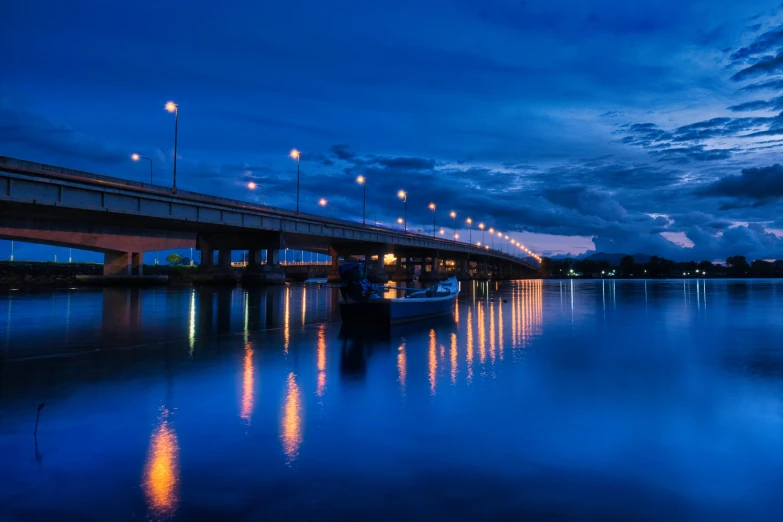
[{"x": 553, "y": 400}]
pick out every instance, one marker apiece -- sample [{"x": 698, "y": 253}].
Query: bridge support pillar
[
  {"x": 207, "y": 259},
  {"x": 253, "y": 258},
  {"x": 137, "y": 263},
  {"x": 376, "y": 271},
  {"x": 270, "y": 273},
  {"x": 224, "y": 259},
  {"x": 334, "y": 269},
  {"x": 116, "y": 264}
]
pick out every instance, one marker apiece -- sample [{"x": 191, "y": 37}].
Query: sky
[{"x": 573, "y": 126}]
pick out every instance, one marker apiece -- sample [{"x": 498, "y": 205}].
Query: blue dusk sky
[{"x": 614, "y": 126}]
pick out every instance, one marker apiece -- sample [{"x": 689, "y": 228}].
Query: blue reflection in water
[{"x": 617, "y": 399}]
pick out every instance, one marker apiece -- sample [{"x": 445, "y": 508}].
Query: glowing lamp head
[
  {"x": 295, "y": 154},
  {"x": 500, "y": 234},
  {"x": 491, "y": 230},
  {"x": 402, "y": 195},
  {"x": 453, "y": 214},
  {"x": 481, "y": 226},
  {"x": 478, "y": 243},
  {"x": 361, "y": 180},
  {"x": 135, "y": 157},
  {"x": 506, "y": 238},
  {"x": 469, "y": 221},
  {"x": 456, "y": 236},
  {"x": 442, "y": 231},
  {"x": 322, "y": 202},
  {"x": 251, "y": 185},
  {"x": 432, "y": 206},
  {"x": 399, "y": 220},
  {"x": 171, "y": 107}
]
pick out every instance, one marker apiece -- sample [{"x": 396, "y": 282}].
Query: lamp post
[
  {"x": 481, "y": 227},
  {"x": 500, "y": 241},
  {"x": 404, "y": 196},
  {"x": 70, "y": 257},
  {"x": 453, "y": 216},
  {"x": 470, "y": 230},
  {"x": 432, "y": 207},
  {"x": 173, "y": 107},
  {"x": 136, "y": 157},
  {"x": 492, "y": 236},
  {"x": 252, "y": 186},
  {"x": 297, "y": 156},
  {"x": 363, "y": 181},
  {"x": 506, "y": 238}
]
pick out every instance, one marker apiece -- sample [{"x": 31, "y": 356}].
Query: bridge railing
[{"x": 120, "y": 183}]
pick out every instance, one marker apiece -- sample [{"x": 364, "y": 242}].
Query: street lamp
[
  {"x": 404, "y": 196},
  {"x": 470, "y": 230},
  {"x": 481, "y": 226},
  {"x": 363, "y": 181},
  {"x": 173, "y": 107},
  {"x": 492, "y": 235},
  {"x": 323, "y": 203},
  {"x": 136, "y": 157},
  {"x": 506, "y": 238},
  {"x": 432, "y": 207},
  {"x": 297, "y": 156},
  {"x": 442, "y": 231},
  {"x": 453, "y": 216},
  {"x": 252, "y": 186}
]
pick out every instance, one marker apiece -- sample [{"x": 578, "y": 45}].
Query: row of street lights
[{"x": 295, "y": 154}]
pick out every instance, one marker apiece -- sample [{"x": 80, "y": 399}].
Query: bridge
[{"x": 123, "y": 219}]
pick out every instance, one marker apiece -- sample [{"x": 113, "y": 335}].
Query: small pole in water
[{"x": 37, "y": 416}]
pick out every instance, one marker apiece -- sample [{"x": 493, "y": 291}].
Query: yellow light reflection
[
  {"x": 456, "y": 310},
  {"x": 286, "y": 313},
  {"x": 161, "y": 472},
  {"x": 247, "y": 385},
  {"x": 321, "y": 361},
  {"x": 402, "y": 370},
  {"x": 433, "y": 361},
  {"x": 482, "y": 334},
  {"x": 453, "y": 358},
  {"x": 492, "y": 332},
  {"x": 500, "y": 327},
  {"x": 292, "y": 420},
  {"x": 304, "y": 304},
  {"x": 470, "y": 346},
  {"x": 513, "y": 316},
  {"x": 192, "y": 329}
]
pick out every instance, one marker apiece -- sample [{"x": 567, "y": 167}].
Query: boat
[{"x": 364, "y": 302}]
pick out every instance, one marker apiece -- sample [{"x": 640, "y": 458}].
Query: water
[{"x": 537, "y": 400}]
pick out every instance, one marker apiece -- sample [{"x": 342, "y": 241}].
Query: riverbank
[{"x": 36, "y": 274}]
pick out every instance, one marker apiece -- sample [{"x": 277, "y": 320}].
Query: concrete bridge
[{"x": 123, "y": 219}]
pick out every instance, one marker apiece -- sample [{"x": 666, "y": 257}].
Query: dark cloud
[
  {"x": 774, "y": 104},
  {"x": 343, "y": 152},
  {"x": 767, "y": 65},
  {"x": 769, "y": 41},
  {"x": 411, "y": 164},
  {"x": 25, "y": 130},
  {"x": 771, "y": 85},
  {"x": 692, "y": 153},
  {"x": 761, "y": 185}
]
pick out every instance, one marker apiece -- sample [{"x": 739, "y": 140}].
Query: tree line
[{"x": 735, "y": 266}]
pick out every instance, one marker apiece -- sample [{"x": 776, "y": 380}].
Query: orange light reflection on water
[
  {"x": 433, "y": 361},
  {"x": 161, "y": 471},
  {"x": 453, "y": 354},
  {"x": 470, "y": 346},
  {"x": 247, "y": 384},
  {"x": 402, "y": 370},
  {"x": 292, "y": 420},
  {"x": 321, "y": 358}
]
